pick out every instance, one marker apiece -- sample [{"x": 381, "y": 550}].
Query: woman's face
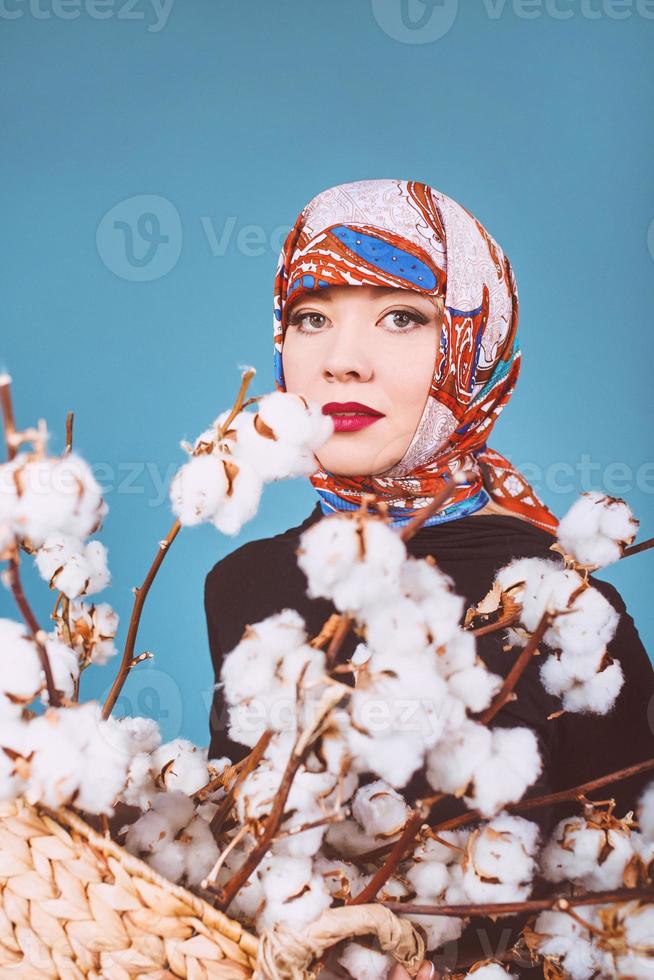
[{"x": 366, "y": 344}]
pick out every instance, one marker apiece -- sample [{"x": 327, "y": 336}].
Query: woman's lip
[
  {"x": 350, "y": 423},
  {"x": 356, "y": 408}
]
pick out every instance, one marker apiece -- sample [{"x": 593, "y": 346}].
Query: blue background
[{"x": 536, "y": 117}]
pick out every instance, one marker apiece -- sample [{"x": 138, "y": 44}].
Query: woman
[{"x": 398, "y": 313}]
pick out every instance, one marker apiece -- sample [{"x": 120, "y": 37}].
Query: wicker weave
[{"x": 74, "y": 904}]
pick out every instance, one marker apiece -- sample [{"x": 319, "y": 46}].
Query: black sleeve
[
  {"x": 220, "y": 744},
  {"x": 592, "y": 745}
]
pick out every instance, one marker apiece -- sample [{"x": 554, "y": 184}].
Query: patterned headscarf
[{"x": 407, "y": 235}]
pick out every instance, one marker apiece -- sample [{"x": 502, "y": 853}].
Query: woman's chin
[{"x": 355, "y": 463}]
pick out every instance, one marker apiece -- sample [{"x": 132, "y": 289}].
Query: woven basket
[{"x": 75, "y": 904}]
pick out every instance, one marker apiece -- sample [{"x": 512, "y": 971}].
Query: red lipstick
[{"x": 350, "y": 416}]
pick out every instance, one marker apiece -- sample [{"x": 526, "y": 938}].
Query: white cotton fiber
[
  {"x": 596, "y": 529},
  {"x": 379, "y": 809},
  {"x": 513, "y": 765},
  {"x": 198, "y": 488},
  {"x": 452, "y": 763},
  {"x": 363, "y": 963}
]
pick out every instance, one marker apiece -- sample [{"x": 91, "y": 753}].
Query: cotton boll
[
  {"x": 92, "y": 630},
  {"x": 379, "y": 809},
  {"x": 75, "y": 757},
  {"x": 95, "y": 554},
  {"x": 342, "y": 879},
  {"x": 428, "y": 879},
  {"x": 257, "y": 792},
  {"x": 55, "y": 552},
  {"x": 306, "y": 843},
  {"x": 596, "y": 695},
  {"x": 638, "y": 924},
  {"x": 475, "y": 686},
  {"x": 198, "y": 488},
  {"x": 443, "y": 611},
  {"x": 420, "y": 579},
  {"x": 498, "y": 866},
  {"x": 241, "y": 501},
  {"x": 523, "y": 576},
  {"x": 459, "y": 653},
  {"x": 180, "y": 765},
  {"x": 146, "y": 833},
  {"x": 354, "y": 561},
  {"x": 588, "y": 855},
  {"x": 588, "y": 684},
  {"x": 402, "y": 697},
  {"x": 438, "y": 929},
  {"x": 201, "y": 851},
  {"x": 596, "y": 529},
  {"x": 249, "y": 668},
  {"x": 282, "y": 877},
  {"x": 618, "y": 522},
  {"x": 169, "y": 860},
  {"x": 20, "y": 666},
  {"x": 278, "y": 439},
  {"x": 398, "y": 628},
  {"x": 298, "y": 910},
  {"x": 447, "y": 849},
  {"x": 348, "y": 839},
  {"x": 57, "y": 496},
  {"x": 525, "y": 831},
  {"x": 503, "y": 777},
  {"x": 563, "y": 937},
  {"x": 394, "y": 758},
  {"x": 363, "y": 963},
  {"x": 72, "y": 566},
  {"x": 452, "y": 763},
  {"x": 294, "y": 419},
  {"x": 552, "y": 593},
  {"x": 591, "y": 624},
  {"x": 140, "y": 787}
]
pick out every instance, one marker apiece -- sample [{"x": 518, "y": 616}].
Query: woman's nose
[{"x": 346, "y": 357}]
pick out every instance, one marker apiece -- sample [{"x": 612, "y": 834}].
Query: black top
[{"x": 262, "y": 577}]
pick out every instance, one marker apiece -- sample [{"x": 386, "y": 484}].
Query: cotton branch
[
  {"x": 271, "y": 826},
  {"x": 397, "y": 852},
  {"x": 559, "y": 903},
  {"x": 517, "y": 670},
  {"x": 69, "y": 433},
  {"x": 12, "y": 439},
  {"x": 575, "y": 793},
  {"x": 634, "y": 549},
  {"x": 250, "y": 762},
  {"x": 129, "y": 660}
]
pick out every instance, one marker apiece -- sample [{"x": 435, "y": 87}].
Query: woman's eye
[
  {"x": 308, "y": 322},
  {"x": 402, "y": 320}
]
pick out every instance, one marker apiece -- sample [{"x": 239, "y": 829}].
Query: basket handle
[{"x": 287, "y": 954}]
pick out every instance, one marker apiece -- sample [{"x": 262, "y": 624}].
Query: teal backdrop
[{"x": 155, "y": 154}]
